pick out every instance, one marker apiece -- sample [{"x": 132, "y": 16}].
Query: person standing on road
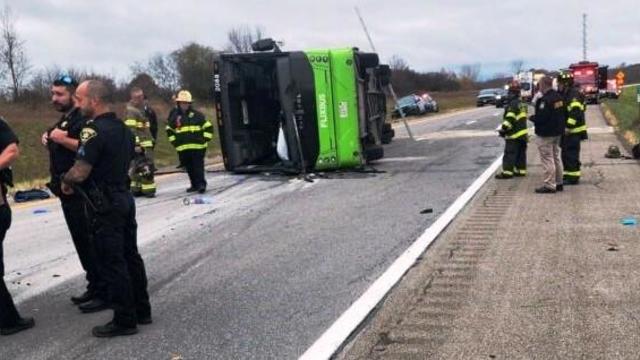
[
  {"x": 100, "y": 171},
  {"x": 62, "y": 142},
  {"x": 576, "y": 129},
  {"x": 514, "y": 130},
  {"x": 549, "y": 120},
  {"x": 153, "y": 120},
  {"x": 142, "y": 167},
  {"x": 189, "y": 132},
  {"x": 10, "y": 320}
]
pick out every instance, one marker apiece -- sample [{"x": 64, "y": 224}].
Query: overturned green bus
[{"x": 300, "y": 111}]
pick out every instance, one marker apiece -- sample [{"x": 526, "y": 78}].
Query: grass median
[{"x": 627, "y": 113}]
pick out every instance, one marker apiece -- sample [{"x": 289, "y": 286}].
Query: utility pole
[
  {"x": 391, "y": 91},
  {"x": 584, "y": 37}
]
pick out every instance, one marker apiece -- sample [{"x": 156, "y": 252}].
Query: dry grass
[{"x": 30, "y": 121}]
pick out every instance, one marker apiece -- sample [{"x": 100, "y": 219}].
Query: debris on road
[
  {"x": 40, "y": 211},
  {"x": 197, "y": 200},
  {"x": 426, "y": 211},
  {"x": 629, "y": 221},
  {"x": 30, "y": 195}
]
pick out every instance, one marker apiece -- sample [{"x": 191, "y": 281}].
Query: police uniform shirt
[
  {"x": 7, "y": 137},
  {"x": 61, "y": 159},
  {"x": 108, "y": 145}
]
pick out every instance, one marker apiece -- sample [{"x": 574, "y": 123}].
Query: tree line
[{"x": 161, "y": 75}]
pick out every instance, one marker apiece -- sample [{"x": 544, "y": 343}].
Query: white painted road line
[
  {"x": 337, "y": 334},
  {"x": 471, "y": 122},
  {"x": 403, "y": 159}
]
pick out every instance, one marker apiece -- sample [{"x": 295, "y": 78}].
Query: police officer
[
  {"x": 549, "y": 120},
  {"x": 514, "y": 130},
  {"x": 189, "y": 132},
  {"x": 576, "y": 128},
  {"x": 10, "y": 321},
  {"x": 62, "y": 142},
  {"x": 100, "y": 173},
  {"x": 142, "y": 167}
]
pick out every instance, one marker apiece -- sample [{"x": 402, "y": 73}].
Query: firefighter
[
  {"x": 100, "y": 173},
  {"x": 189, "y": 132},
  {"x": 576, "y": 128},
  {"x": 142, "y": 167},
  {"x": 515, "y": 132}
]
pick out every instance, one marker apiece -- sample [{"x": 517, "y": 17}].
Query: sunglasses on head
[{"x": 65, "y": 80}]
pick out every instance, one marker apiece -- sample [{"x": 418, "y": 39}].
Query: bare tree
[
  {"x": 163, "y": 69},
  {"x": 240, "y": 38},
  {"x": 397, "y": 63},
  {"x": 470, "y": 72},
  {"x": 517, "y": 65},
  {"x": 12, "y": 52}
]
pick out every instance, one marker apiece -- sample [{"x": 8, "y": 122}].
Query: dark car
[
  {"x": 487, "y": 96},
  {"x": 501, "y": 98},
  {"x": 410, "y": 105},
  {"x": 430, "y": 103}
]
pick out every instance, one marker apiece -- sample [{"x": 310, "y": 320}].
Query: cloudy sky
[{"x": 108, "y": 36}]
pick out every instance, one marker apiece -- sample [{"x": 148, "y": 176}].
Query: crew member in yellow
[
  {"x": 516, "y": 134},
  {"x": 142, "y": 167},
  {"x": 189, "y": 132}
]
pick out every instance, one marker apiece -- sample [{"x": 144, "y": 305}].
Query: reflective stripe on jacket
[
  {"x": 514, "y": 122},
  {"x": 189, "y": 130}
]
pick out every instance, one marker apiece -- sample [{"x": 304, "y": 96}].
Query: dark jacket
[
  {"x": 576, "y": 124},
  {"x": 514, "y": 124},
  {"x": 188, "y": 130},
  {"x": 550, "y": 116}
]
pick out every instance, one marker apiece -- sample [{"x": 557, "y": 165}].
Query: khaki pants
[{"x": 549, "y": 148}]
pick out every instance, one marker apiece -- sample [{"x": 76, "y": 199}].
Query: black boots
[{"x": 22, "y": 324}]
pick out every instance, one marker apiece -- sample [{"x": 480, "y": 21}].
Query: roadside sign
[{"x": 620, "y": 78}]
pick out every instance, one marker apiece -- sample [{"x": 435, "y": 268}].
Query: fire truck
[{"x": 590, "y": 77}]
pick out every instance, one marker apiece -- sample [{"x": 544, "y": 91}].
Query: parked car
[
  {"x": 410, "y": 105},
  {"x": 431, "y": 103},
  {"x": 501, "y": 98},
  {"x": 487, "y": 96}
]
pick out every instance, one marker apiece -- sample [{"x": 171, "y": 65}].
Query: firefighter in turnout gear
[
  {"x": 142, "y": 167},
  {"x": 515, "y": 132},
  {"x": 576, "y": 128},
  {"x": 189, "y": 132}
]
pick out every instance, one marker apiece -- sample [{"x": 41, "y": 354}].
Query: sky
[{"x": 109, "y": 36}]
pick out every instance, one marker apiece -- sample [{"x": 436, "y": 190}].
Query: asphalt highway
[{"x": 262, "y": 270}]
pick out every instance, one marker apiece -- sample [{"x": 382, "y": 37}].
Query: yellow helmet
[{"x": 184, "y": 96}]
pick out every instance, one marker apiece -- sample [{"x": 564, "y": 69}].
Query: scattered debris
[
  {"x": 613, "y": 248},
  {"x": 56, "y": 275},
  {"x": 176, "y": 356},
  {"x": 197, "y": 200},
  {"x": 613, "y": 152},
  {"x": 629, "y": 221},
  {"x": 30, "y": 195},
  {"x": 426, "y": 211}
]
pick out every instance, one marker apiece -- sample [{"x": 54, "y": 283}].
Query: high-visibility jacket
[
  {"x": 514, "y": 122},
  {"x": 188, "y": 130},
  {"x": 136, "y": 120},
  {"x": 576, "y": 123}
]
